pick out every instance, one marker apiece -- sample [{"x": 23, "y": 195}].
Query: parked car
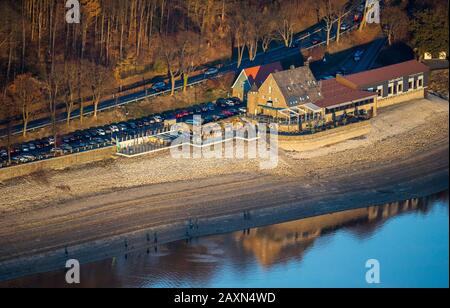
[
  {"x": 341, "y": 71},
  {"x": 219, "y": 117},
  {"x": 158, "y": 119},
  {"x": 159, "y": 86},
  {"x": 227, "y": 113},
  {"x": 123, "y": 127},
  {"x": 101, "y": 132},
  {"x": 194, "y": 122},
  {"x": 50, "y": 140},
  {"x": 233, "y": 111},
  {"x": 236, "y": 100},
  {"x": 358, "y": 54},
  {"x": 345, "y": 26},
  {"x": 327, "y": 77},
  {"x": 208, "y": 119},
  {"x": 114, "y": 128},
  {"x": 225, "y": 102},
  {"x": 181, "y": 114},
  {"x": 197, "y": 109},
  {"x": 24, "y": 148},
  {"x": 212, "y": 71},
  {"x": 315, "y": 39}
]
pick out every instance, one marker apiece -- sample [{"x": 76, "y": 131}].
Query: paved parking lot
[{"x": 103, "y": 136}]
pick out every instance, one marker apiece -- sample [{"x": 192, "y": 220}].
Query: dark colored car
[{"x": 315, "y": 39}]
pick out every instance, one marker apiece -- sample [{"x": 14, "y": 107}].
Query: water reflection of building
[
  {"x": 278, "y": 243},
  {"x": 198, "y": 263}
]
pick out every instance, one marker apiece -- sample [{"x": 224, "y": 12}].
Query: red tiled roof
[
  {"x": 335, "y": 93},
  {"x": 387, "y": 73},
  {"x": 258, "y": 74}
]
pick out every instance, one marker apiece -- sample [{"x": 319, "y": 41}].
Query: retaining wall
[
  {"x": 57, "y": 163},
  {"x": 326, "y": 138}
]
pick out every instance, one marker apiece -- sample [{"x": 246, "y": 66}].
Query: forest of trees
[
  {"x": 423, "y": 24},
  {"x": 118, "y": 38},
  {"x": 44, "y": 60}
]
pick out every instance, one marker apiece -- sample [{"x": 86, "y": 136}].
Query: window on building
[
  {"x": 400, "y": 87},
  {"x": 391, "y": 89},
  {"x": 411, "y": 84},
  {"x": 420, "y": 82},
  {"x": 270, "y": 90},
  {"x": 380, "y": 91}
]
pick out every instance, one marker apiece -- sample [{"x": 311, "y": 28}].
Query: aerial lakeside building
[{"x": 295, "y": 96}]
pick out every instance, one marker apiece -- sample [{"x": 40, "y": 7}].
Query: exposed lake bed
[{"x": 408, "y": 238}]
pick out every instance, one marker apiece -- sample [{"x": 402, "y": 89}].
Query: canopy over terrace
[
  {"x": 304, "y": 112},
  {"x": 297, "y": 114}
]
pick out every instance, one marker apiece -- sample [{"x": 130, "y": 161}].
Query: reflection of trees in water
[
  {"x": 197, "y": 263},
  {"x": 284, "y": 242}
]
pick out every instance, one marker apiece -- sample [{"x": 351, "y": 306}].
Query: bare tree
[
  {"x": 395, "y": 23},
  {"x": 190, "y": 57},
  {"x": 172, "y": 51},
  {"x": 27, "y": 92},
  {"x": 98, "y": 79},
  {"x": 70, "y": 88},
  {"x": 286, "y": 24},
  {"x": 268, "y": 32},
  {"x": 329, "y": 17},
  {"x": 8, "y": 111},
  {"x": 340, "y": 14}
]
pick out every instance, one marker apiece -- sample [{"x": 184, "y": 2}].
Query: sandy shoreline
[{"x": 132, "y": 201}]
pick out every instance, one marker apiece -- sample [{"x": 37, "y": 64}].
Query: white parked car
[
  {"x": 344, "y": 27},
  {"x": 114, "y": 128}
]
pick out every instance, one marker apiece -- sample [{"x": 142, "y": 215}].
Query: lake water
[{"x": 409, "y": 239}]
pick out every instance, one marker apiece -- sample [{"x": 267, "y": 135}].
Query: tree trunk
[
  {"x": 69, "y": 111},
  {"x": 185, "y": 81},
  {"x": 172, "y": 81},
  {"x": 338, "y": 35},
  {"x": 81, "y": 110},
  {"x": 25, "y": 120},
  {"x": 329, "y": 27},
  {"x": 95, "y": 108}
]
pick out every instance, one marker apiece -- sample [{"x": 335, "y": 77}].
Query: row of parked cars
[
  {"x": 210, "y": 112},
  {"x": 84, "y": 140}
]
